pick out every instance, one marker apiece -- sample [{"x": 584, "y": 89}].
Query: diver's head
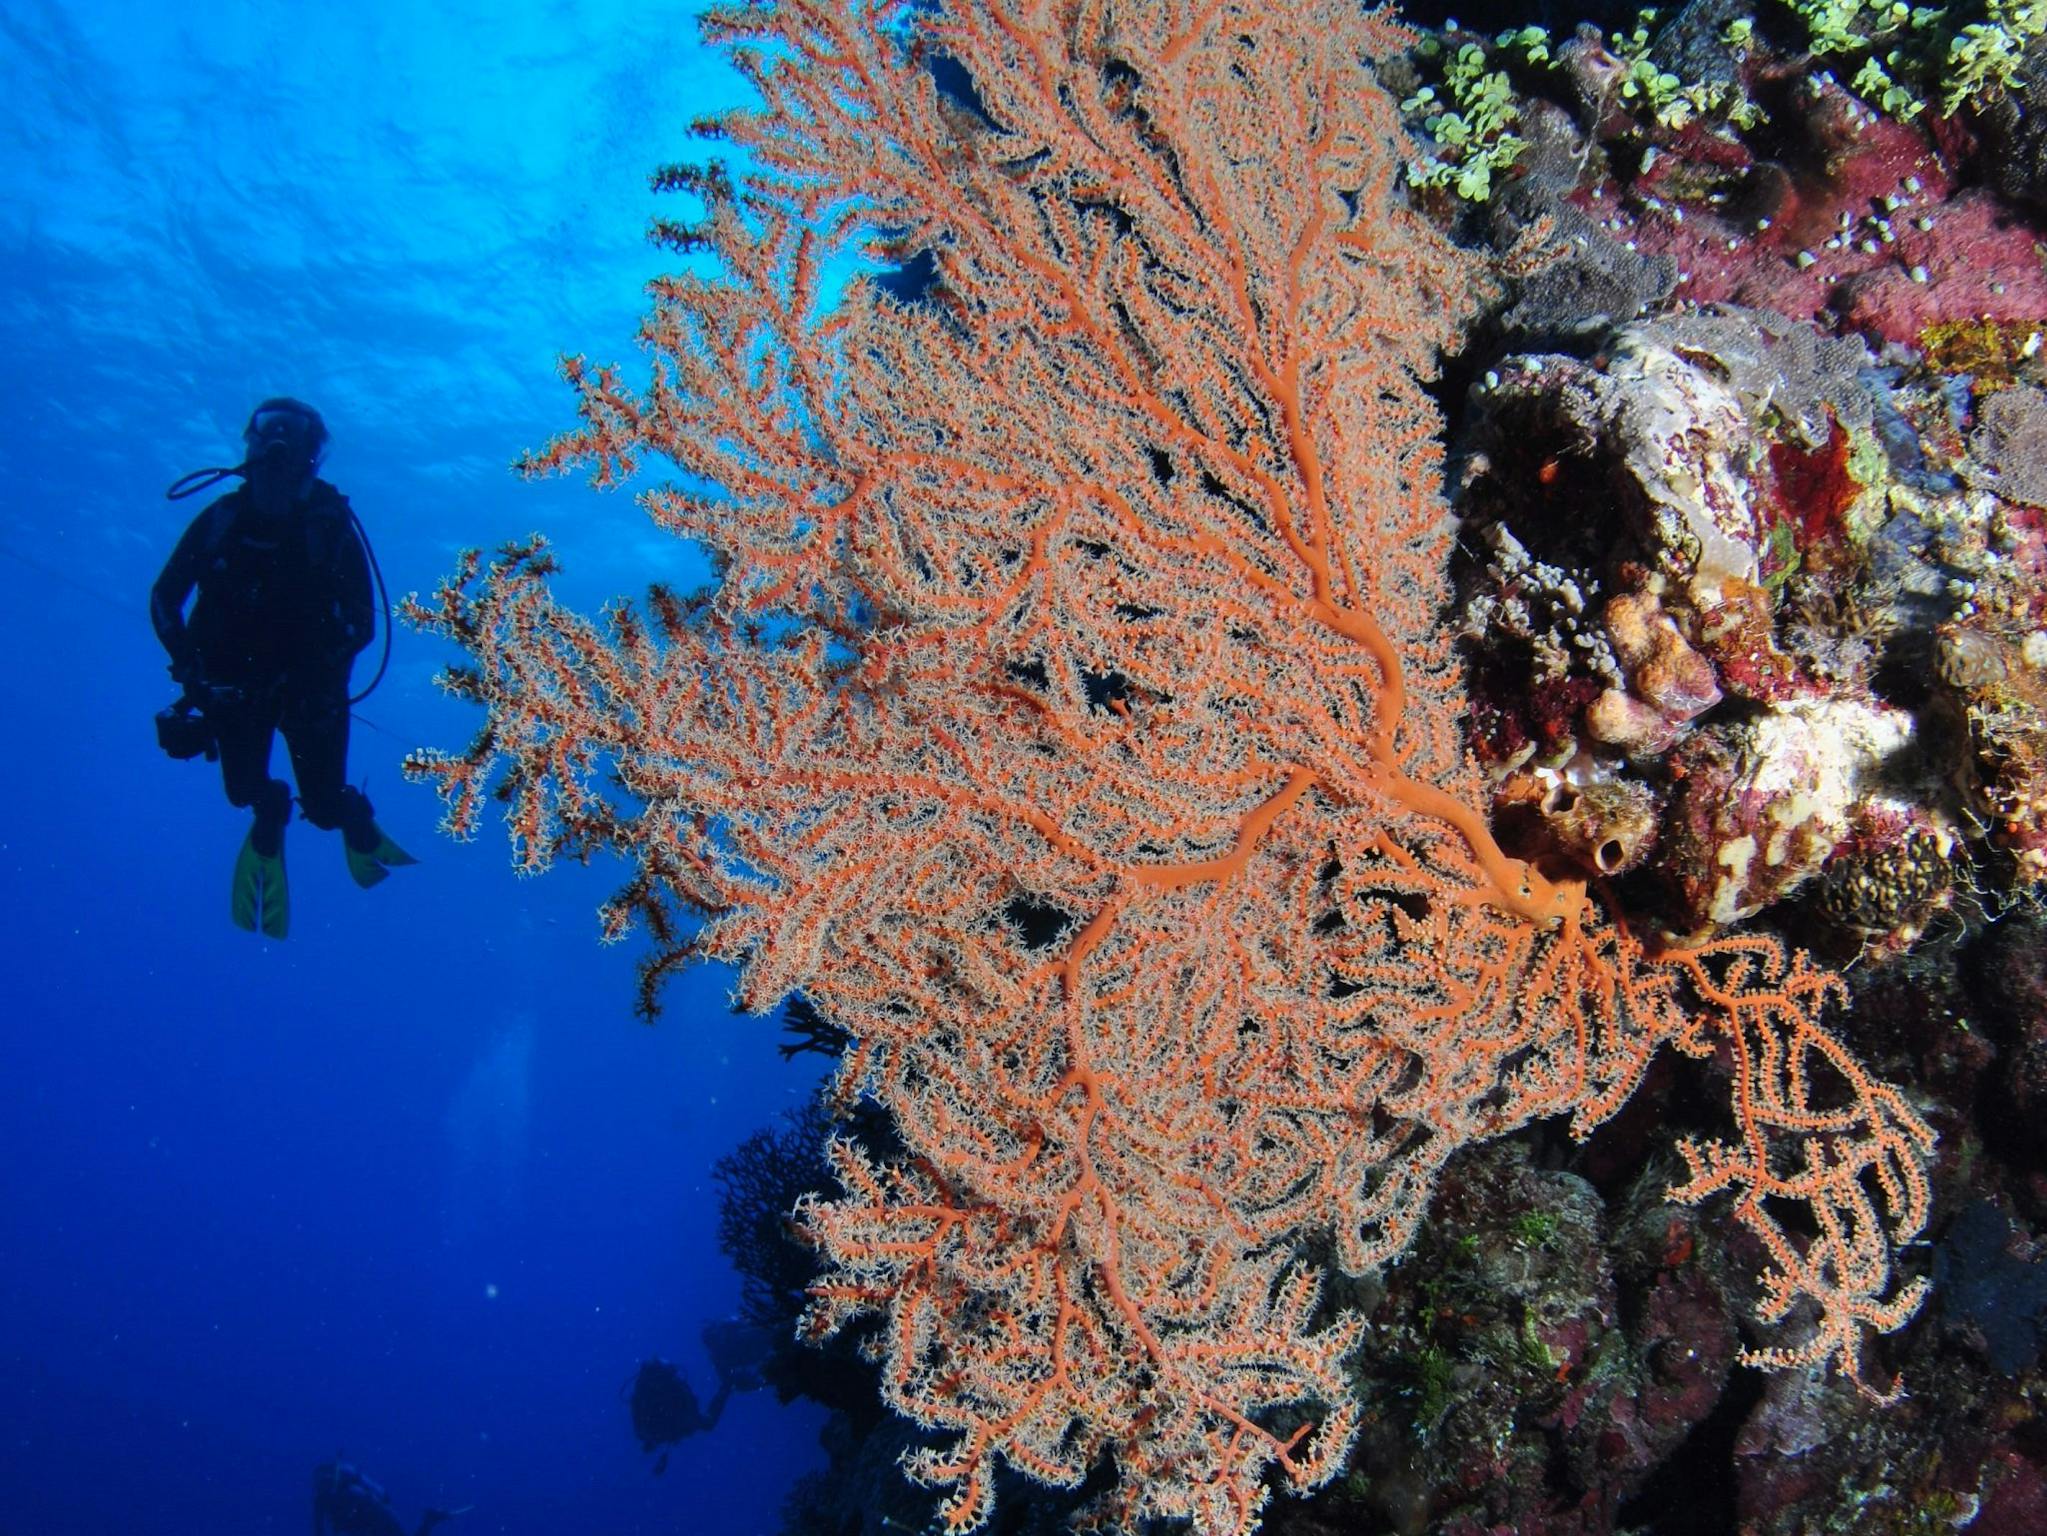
[{"x": 285, "y": 439}]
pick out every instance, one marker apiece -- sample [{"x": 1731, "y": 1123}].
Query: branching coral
[{"x": 1076, "y": 725}]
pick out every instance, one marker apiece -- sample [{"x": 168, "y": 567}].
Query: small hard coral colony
[{"x": 1079, "y": 725}]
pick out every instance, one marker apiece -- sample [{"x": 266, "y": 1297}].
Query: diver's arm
[
  {"x": 173, "y": 586},
  {"x": 718, "y": 1400}
]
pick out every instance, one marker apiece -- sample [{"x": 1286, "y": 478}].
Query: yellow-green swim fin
[
  {"x": 367, "y": 866},
  {"x": 260, "y": 900}
]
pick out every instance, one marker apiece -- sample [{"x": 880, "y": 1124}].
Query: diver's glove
[{"x": 189, "y": 674}]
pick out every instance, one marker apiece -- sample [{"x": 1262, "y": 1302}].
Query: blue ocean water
[{"x": 410, "y": 1186}]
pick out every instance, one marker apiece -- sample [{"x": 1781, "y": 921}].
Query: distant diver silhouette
[
  {"x": 664, "y": 1407},
  {"x": 282, "y": 568},
  {"x": 345, "y": 1503}
]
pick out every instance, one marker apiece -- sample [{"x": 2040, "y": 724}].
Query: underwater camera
[{"x": 183, "y": 732}]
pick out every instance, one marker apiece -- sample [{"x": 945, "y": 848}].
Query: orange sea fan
[{"x": 1106, "y": 579}]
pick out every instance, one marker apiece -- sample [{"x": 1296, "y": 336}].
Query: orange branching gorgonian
[{"x": 1075, "y": 723}]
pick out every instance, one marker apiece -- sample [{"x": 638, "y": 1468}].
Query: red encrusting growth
[
  {"x": 1815, "y": 488},
  {"x": 1108, "y": 578}
]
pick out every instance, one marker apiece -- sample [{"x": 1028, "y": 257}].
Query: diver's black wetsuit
[{"x": 284, "y": 606}]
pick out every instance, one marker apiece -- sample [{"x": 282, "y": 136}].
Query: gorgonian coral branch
[{"x": 1103, "y": 581}]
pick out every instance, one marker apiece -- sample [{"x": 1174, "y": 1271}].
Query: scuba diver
[
  {"x": 282, "y": 569},
  {"x": 664, "y": 1407},
  {"x": 345, "y": 1503}
]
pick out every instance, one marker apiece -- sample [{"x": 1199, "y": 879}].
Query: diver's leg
[
  {"x": 258, "y": 898},
  {"x": 316, "y": 731},
  {"x": 244, "y": 733}
]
